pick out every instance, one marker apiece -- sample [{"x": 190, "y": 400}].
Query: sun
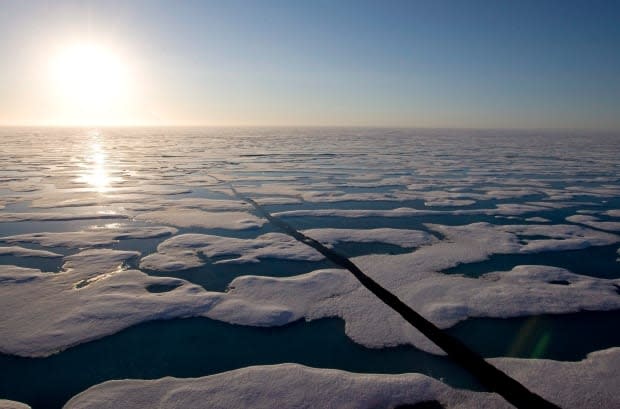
[{"x": 90, "y": 82}]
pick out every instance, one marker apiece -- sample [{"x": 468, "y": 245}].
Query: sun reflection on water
[{"x": 97, "y": 174}]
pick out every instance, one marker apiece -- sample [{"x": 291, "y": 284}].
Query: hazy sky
[{"x": 381, "y": 63}]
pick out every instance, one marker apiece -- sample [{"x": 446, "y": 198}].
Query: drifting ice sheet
[
  {"x": 183, "y": 251},
  {"x": 397, "y": 237},
  {"x": 198, "y": 218},
  {"x": 591, "y": 383}
]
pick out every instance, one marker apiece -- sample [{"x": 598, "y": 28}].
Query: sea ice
[
  {"x": 184, "y": 251},
  {"x": 537, "y": 220},
  {"x": 59, "y": 216},
  {"x": 198, "y": 218},
  {"x": 285, "y": 386},
  {"x": 9, "y": 404},
  {"x": 398, "y": 237},
  {"x": 96, "y": 275},
  {"x": 97, "y": 261},
  {"x": 18, "y": 251},
  {"x": 94, "y": 236},
  {"x": 590, "y": 383},
  {"x": 502, "y": 209},
  {"x": 43, "y": 313},
  {"x": 594, "y": 222}
]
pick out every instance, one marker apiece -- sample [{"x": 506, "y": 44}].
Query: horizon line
[{"x": 263, "y": 126}]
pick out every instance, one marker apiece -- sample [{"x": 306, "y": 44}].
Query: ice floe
[
  {"x": 269, "y": 301},
  {"x": 18, "y": 251},
  {"x": 9, "y": 404},
  {"x": 43, "y": 313},
  {"x": 449, "y": 202},
  {"x": 590, "y": 383},
  {"x": 285, "y": 386},
  {"x": 28, "y": 216},
  {"x": 97, "y": 293},
  {"x": 537, "y": 220},
  {"x": 97, "y": 261},
  {"x": 199, "y": 218},
  {"x": 188, "y": 251},
  {"x": 502, "y": 209},
  {"x": 94, "y": 236},
  {"x": 594, "y": 222},
  {"x": 94, "y": 275},
  {"x": 399, "y": 237},
  {"x": 446, "y": 300},
  {"x": 527, "y": 238},
  {"x": 113, "y": 299}
]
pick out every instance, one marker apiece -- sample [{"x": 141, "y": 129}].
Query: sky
[{"x": 463, "y": 64}]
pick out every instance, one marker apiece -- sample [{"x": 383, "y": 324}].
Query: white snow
[
  {"x": 97, "y": 295},
  {"x": 94, "y": 236},
  {"x": 268, "y": 301},
  {"x": 398, "y": 237},
  {"x": 184, "y": 251},
  {"x": 439, "y": 202},
  {"x": 594, "y": 222},
  {"x": 561, "y": 237},
  {"x": 513, "y": 238},
  {"x": 43, "y": 313},
  {"x": 18, "y": 251},
  {"x": 59, "y": 216},
  {"x": 446, "y": 300},
  {"x": 9, "y": 404},
  {"x": 117, "y": 299},
  {"x": 95, "y": 275},
  {"x": 95, "y": 261},
  {"x": 537, "y": 220},
  {"x": 590, "y": 383},
  {"x": 502, "y": 209},
  {"x": 198, "y": 218},
  {"x": 284, "y": 386}
]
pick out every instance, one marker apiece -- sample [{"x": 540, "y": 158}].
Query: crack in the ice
[{"x": 490, "y": 376}]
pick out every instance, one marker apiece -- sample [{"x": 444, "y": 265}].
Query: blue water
[
  {"x": 315, "y": 160},
  {"x": 199, "y": 346},
  {"x": 42, "y": 263},
  {"x": 594, "y": 261},
  {"x": 560, "y": 337},
  {"x": 216, "y": 277}
]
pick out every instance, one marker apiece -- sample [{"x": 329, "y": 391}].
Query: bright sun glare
[{"x": 90, "y": 82}]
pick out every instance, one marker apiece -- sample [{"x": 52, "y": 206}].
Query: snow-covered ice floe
[
  {"x": 189, "y": 250},
  {"x": 150, "y": 185},
  {"x": 19, "y": 251},
  {"x": 398, "y": 237},
  {"x": 95, "y": 296},
  {"x": 595, "y": 222},
  {"x": 502, "y": 209},
  {"x": 590, "y": 383},
  {"x": 285, "y": 386},
  {"x": 185, "y": 251},
  {"x": 200, "y": 218},
  {"x": 59, "y": 216},
  {"x": 9, "y": 404},
  {"x": 95, "y": 236}
]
